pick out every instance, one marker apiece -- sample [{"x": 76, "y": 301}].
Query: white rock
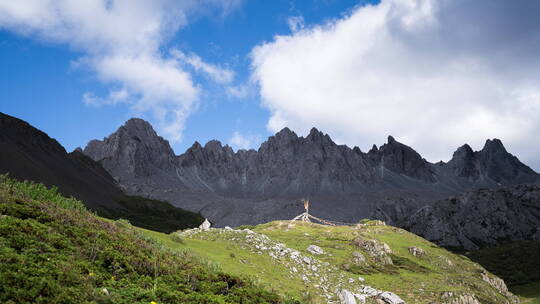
[
  {"x": 346, "y": 297},
  {"x": 314, "y": 249},
  {"x": 391, "y": 298},
  {"x": 361, "y": 297}
]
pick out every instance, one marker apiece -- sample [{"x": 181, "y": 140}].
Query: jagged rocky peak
[
  {"x": 134, "y": 149},
  {"x": 317, "y": 136},
  {"x": 503, "y": 167},
  {"x": 286, "y": 133},
  {"x": 494, "y": 145},
  {"x": 491, "y": 164},
  {"x": 402, "y": 159},
  {"x": 463, "y": 163}
]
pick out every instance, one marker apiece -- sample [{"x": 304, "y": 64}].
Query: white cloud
[
  {"x": 435, "y": 74},
  {"x": 120, "y": 41},
  {"x": 240, "y": 141},
  {"x": 216, "y": 73}
]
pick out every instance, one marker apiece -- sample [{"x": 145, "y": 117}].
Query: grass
[{"x": 52, "y": 250}]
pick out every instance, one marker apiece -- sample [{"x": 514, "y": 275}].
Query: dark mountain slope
[
  {"x": 29, "y": 154},
  {"x": 472, "y": 220}
]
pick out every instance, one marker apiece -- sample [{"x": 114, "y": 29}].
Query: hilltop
[{"x": 370, "y": 262}]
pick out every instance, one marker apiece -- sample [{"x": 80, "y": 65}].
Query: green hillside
[
  {"x": 52, "y": 250},
  {"x": 366, "y": 260}
]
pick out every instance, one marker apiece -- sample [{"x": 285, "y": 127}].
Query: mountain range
[
  {"x": 391, "y": 182},
  {"x": 478, "y": 198}
]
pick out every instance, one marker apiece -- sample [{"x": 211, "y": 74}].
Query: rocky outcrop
[
  {"x": 378, "y": 250},
  {"x": 480, "y": 218},
  {"x": 451, "y": 298},
  {"x": 417, "y": 252}
]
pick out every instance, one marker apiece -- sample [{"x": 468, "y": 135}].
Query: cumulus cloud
[
  {"x": 240, "y": 141},
  {"x": 121, "y": 42},
  {"x": 435, "y": 74}
]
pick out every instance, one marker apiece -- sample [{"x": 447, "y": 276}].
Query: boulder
[
  {"x": 346, "y": 297},
  {"x": 378, "y": 250},
  {"x": 358, "y": 258},
  {"x": 391, "y": 298},
  {"x": 314, "y": 249},
  {"x": 417, "y": 252}
]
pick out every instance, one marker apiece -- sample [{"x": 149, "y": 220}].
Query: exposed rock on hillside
[{"x": 282, "y": 250}]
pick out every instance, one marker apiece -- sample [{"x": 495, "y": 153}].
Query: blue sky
[{"x": 240, "y": 70}]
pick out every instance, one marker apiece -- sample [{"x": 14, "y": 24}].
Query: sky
[{"x": 435, "y": 74}]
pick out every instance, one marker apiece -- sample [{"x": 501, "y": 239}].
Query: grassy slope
[
  {"x": 52, "y": 250},
  {"x": 416, "y": 280}
]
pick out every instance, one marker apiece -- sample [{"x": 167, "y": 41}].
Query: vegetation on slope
[
  {"x": 437, "y": 275},
  {"x": 52, "y": 250},
  {"x": 518, "y": 263},
  {"x": 152, "y": 214}
]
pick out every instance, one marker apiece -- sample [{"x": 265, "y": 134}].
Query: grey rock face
[
  {"x": 134, "y": 151},
  {"x": 480, "y": 218},
  {"x": 402, "y": 159}
]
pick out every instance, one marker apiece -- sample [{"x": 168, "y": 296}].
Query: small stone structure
[{"x": 205, "y": 225}]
